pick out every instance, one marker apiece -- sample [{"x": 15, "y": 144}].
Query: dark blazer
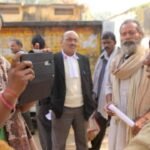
[{"x": 59, "y": 89}]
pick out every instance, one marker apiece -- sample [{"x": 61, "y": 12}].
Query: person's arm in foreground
[{"x": 18, "y": 77}]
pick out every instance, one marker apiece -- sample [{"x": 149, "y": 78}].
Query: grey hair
[{"x": 138, "y": 26}]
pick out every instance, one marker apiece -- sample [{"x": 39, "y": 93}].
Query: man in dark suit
[{"x": 72, "y": 102}]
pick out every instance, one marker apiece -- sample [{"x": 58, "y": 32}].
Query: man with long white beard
[{"x": 128, "y": 87}]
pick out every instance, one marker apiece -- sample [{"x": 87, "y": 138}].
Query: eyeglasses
[{"x": 71, "y": 40}]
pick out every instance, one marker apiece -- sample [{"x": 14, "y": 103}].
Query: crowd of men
[{"x": 121, "y": 77}]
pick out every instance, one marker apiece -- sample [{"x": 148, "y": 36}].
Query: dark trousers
[
  {"x": 44, "y": 126},
  {"x": 28, "y": 121},
  {"x": 61, "y": 127},
  {"x": 96, "y": 143}
]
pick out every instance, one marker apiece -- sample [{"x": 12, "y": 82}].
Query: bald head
[{"x": 70, "y": 32}]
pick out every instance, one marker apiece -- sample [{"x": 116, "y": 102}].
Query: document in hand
[
  {"x": 40, "y": 87},
  {"x": 121, "y": 115}
]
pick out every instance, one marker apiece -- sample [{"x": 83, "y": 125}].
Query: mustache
[
  {"x": 106, "y": 48},
  {"x": 72, "y": 45},
  {"x": 129, "y": 43},
  {"x": 129, "y": 47}
]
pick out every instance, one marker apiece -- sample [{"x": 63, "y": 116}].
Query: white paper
[
  {"x": 49, "y": 115},
  {"x": 121, "y": 115}
]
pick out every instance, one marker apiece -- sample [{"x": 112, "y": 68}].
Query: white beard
[{"x": 129, "y": 48}]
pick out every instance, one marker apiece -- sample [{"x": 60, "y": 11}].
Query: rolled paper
[{"x": 121, "y": 115}]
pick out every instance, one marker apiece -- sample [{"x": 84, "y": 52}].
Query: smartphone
[{"x": 40, "y": 87}]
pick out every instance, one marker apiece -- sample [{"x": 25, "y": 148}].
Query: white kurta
[
  {"x": 118, "y": 129},
  {"x": 130, "y": 91}
]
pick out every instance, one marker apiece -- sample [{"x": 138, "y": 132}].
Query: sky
[{"x": 113, "y": 6}]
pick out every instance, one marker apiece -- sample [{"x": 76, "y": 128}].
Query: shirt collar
[
  {"x": 104, "y": 55},
  {"x": 65, "y": 56}
]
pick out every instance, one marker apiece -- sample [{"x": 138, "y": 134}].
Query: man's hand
[
  {"x": 46, "y": 50},
  {"x": 140, "y": 122},
  {"x": 138, "y": 126},
  {"x": 19, "y": 75},
  {"x": 109, "y": 101},
  {"x": 135, "y": 129},
  {"x": 108, "y": 111}
]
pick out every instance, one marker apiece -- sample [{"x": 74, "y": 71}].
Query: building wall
[
  {"x": 51, "y": 12},
  {"x": 89, "y": 32},
  {"x": 11, "y": 12}
]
